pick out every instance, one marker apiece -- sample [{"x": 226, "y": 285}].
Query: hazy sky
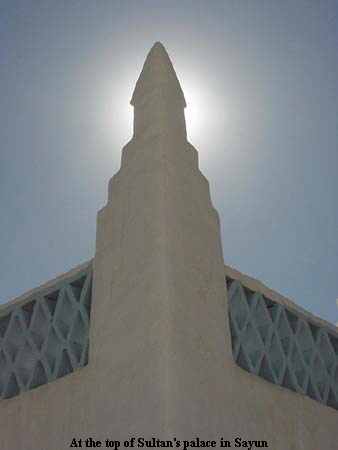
[{"x": 261, "y": 85}]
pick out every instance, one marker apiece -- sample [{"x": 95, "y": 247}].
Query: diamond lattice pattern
[
  {"x": 283, "y": 346},
  {"x": 45, "y": 336}
]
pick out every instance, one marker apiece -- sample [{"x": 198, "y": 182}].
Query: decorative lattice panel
[
  {"x": 45, "y": 336},
  {"x": 283, "y": 346}
]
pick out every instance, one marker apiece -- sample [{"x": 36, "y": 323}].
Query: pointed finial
[
  {"x": 157, "y": 71},
  {"x": 158, "y": 98}
]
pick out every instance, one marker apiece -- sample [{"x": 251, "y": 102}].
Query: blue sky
[{"x": 261, "y": 79}]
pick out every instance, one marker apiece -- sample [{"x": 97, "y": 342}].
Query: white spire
[{"x": 158, "y": 98}]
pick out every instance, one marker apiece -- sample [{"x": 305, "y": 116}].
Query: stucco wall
[{"x": 81, "y": 405}]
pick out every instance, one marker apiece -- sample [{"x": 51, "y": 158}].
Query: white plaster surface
[{"x": 160, "y": 361}]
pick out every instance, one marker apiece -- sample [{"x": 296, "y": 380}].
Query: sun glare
[
  {"x": 117, "y": 112},
  {"x": 194, "y": 112},
  {"x": 203, "y": 114}
]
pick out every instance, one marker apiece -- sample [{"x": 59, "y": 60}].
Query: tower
[{"x": 159, "y": 238}]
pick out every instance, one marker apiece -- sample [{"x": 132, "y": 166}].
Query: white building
[{"x": 179, "y": 347}]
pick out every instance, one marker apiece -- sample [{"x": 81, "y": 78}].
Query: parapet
[
  {"x": 44, "y": 334},
  {"x": 275, "y": 339}
]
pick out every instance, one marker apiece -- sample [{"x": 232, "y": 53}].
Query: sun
[
  {"x": 194, "y": 112},
  {"x": 203, "y": 113}
]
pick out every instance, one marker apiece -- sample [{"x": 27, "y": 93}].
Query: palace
[{"x": 155, "y": 336}]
